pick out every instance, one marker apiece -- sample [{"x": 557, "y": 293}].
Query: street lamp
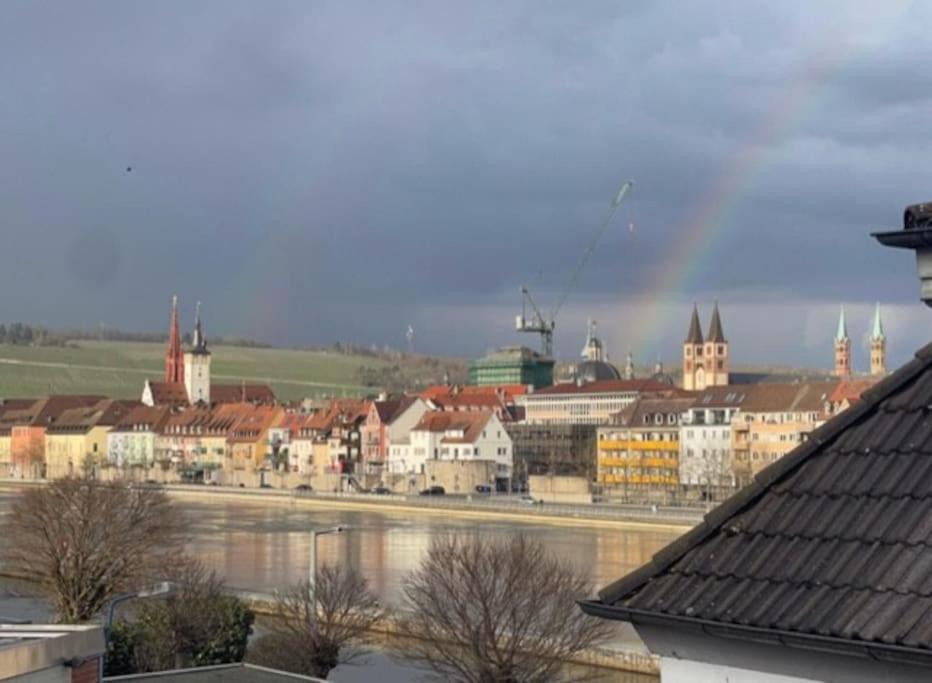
[
  {"x": 159, "y": 589},
  {"x": 312, "y": 570}
]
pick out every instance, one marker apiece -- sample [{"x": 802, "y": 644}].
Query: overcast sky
[{"x": 322, "y": 171}]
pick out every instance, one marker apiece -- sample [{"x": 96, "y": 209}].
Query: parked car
[
  {"x": 483, "y": 489},
  {"x": 381, "y": 491},
  {"x": 303, "y": 487},
  {"x": 433, "y": 491},
  {"x": 529, "y": 500}
]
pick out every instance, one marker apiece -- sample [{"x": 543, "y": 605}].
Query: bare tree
[
  {"x": 83, "y": 542},
  {"x": 312, "y": 644},
  {"x": 495, "y": 611}
]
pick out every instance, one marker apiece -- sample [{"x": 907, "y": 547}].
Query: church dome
[{"x": 595, "y": 370}]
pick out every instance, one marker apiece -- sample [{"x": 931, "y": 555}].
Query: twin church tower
[
  {"x": 878, "y": 347},
  {"x": 705, "y": 359}
]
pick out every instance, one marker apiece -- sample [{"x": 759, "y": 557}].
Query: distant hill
[{"x": 118, "y": 369}]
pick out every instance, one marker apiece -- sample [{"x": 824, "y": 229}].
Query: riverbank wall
[
  {"x": 677, "y": 520},
  {"x": 386, "y": 633}
]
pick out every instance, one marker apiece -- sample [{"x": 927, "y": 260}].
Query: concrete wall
[{"x": 560, "y": 489}]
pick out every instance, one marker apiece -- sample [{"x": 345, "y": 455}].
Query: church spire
[
  {"x": 198, "y": 340},
  {"x": 842, "y": 333},
  {"x": 695, "y": 328},
  {"x": 716, "y": 334},
  {"x": 877, "y": 329},
  {"x": 174, "y": 356}
]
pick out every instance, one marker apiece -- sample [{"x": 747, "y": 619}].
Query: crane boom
[
  {"x": 616, "y": 202},
  {"x": 544, "y": 326}
]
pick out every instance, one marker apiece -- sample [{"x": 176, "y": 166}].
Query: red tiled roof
[
  {"x": 168, "y": 393},
  {"x": 239, "y": 393},
  {"x": 149, "y": 418},
  {"x": 252, "y": 424},
  {"x": 851, "y": 389},
  {"x": 507, "y": 392}
]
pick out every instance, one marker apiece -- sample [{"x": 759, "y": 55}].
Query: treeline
[{"x": 22, "y": 334}]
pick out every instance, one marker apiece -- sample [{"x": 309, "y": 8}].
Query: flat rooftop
[{"x": 227, "y": 673}]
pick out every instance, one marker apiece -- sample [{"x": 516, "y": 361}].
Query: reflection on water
[{"x": 262, "y": 548}]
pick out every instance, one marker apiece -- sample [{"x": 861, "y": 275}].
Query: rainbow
[{"x": 711, "y": 217}]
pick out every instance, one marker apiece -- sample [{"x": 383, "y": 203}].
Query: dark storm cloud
[{"x": 332, "y": 170}]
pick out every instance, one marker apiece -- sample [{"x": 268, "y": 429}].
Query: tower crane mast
[{"x": 537, "y": 322}]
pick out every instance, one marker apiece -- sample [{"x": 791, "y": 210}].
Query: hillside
[{"x": 118, "y": 369}]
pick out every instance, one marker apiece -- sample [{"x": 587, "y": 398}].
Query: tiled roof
[
  {"x": 833, "y": 542},
  {"x": 469, "y": 423},
  {"x": 801, "y": 397},
  {"x": 151, "y": 419},
  {"x": 634, "y": 414},
  {"x": 851, "y": 389},
  {"x": 236, "y": 393},
  {"x": 606, "y": 387},
  {"x": 387, "y": 409},
  {"x": 168, "y": 393}
]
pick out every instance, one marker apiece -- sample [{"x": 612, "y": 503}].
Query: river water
[{"x": 264, "y": 546}]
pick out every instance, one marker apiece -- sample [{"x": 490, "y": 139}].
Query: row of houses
[
  {"x": 356, "y": 443},
  {"x": 714, "y": 440}
]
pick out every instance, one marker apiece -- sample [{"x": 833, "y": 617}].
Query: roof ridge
[{"x": 767, "y": 477}]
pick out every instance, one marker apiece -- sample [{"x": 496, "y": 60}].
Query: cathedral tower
[
  {"x": 693, "y": 362},
  {"x": 174, "y": 361},
  {"x": 716, "y": 352},
  {"x": 878, "y": 343},
  {"x": 705, "y": 360},
  {"x": 197, "y": 364},
  {"x": 842, "y": 348}
]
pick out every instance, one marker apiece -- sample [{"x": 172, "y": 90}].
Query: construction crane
[{"x": 536, "y": 322}]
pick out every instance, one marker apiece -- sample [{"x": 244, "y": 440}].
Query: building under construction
[{"x": 512, "y": 365}]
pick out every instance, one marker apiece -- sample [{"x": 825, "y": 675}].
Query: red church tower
[{"x": 174, "y": 355}]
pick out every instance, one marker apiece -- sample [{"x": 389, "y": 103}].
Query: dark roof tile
[{"x": 835, "y": 539}]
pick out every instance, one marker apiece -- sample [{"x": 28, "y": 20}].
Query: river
[{"x": 264, "y": 546}]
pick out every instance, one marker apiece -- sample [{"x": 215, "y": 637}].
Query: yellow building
[
  {"x": 638, "y": 454},
  {"x": 76, "y": 440}
]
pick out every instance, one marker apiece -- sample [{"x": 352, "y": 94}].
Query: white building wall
[
  {"x": 131, "y": 448},
  {"x": 401, "y": 457},
  {"x": 581, "y": 408},
  {"x": 197, "y": 377},
  {"x": 301, "y": 454},
  {"x": 705, "y": 449},
  {"x": 674, "y": 670}
]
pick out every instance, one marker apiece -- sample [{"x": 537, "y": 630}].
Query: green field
[{"x": 118, "y": 369}]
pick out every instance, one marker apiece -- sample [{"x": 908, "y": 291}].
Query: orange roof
[
  {"x": 290, "y": 421},
  {"x": 253, "y": 424},
  {"x": 851, "y": 389},
  {"x": 507, "y": 392}
]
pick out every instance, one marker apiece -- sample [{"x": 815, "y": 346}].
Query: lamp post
[
  {"x": 159, "y": 589},
  {"x": 312, "y": 570}
]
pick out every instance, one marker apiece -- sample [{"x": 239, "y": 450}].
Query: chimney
[{"x": 916, "y": 235}]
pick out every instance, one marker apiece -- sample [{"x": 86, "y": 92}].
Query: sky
[{"x": 321, "y": 171}]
